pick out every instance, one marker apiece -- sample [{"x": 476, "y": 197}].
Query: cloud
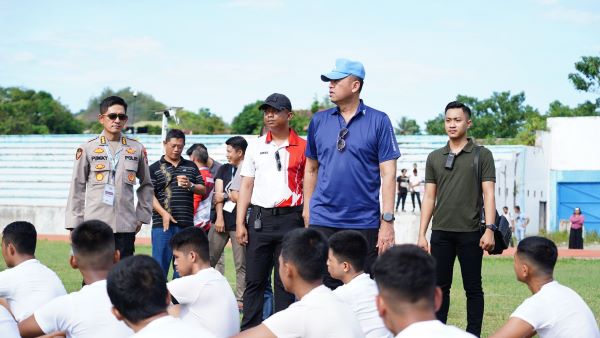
[{"x": 555, "y": 11}]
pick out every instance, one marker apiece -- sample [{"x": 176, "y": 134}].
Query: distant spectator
[
  {"x": 415, "y": 188},
  {"x": 554, "y": 310},
  {"x": 403, "y": 183},
  {"x": 521, "y": 222},
  {"x": 87, "y": 312},
  {"x": 408, "y": 297},
  {"x": 203, "y": 203},
  {"x": 203, "y": 294},
  {"x": 137, "y": 289},
  {"x": 27, "y": 284},
  {"x": 576, "y": 230}
]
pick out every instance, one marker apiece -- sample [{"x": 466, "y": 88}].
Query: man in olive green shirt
[{"x": 452, "y": 196}]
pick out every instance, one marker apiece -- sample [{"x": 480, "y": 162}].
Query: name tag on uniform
[
  {"x": 108, "y": 197},
  {"x": 229, "y": 206}
]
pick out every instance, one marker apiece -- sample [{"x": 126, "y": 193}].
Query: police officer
[{"x": 104, "y": 174}]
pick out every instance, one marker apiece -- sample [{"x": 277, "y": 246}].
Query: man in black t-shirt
[
  {"x": 224, "y": 226},
  {"x": 175, "y": 180},
  {"x": 402, "y": 182}
]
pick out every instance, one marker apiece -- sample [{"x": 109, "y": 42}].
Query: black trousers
[
  {"x": 401, "y": 197},
  {"x": 371, "y": 237},
  {"x": 576, "y": 238},
  {"x": 412, "y": 198},
  {"x": 262, "y": 254},
  {"x": 125, "y": 243},
  {"x": 445, "y": 247}
]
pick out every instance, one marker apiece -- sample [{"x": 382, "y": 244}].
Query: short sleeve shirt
[
  {"x": 318, "y": 314},
  {"x": 348, "y": 181},
  {"x": 168, "y": 326},
  {"x": 278, "y": 171},
  {"x": 28, "y": 286},
  {"x": 226, "y": 174},
  {"x": 178, "y": 201},
  {"x": 556, "y": 311},
  {"x": 206, "y": 298},
  {"x": 85, "y": 313},
  {"x": 457, "y": 201}
]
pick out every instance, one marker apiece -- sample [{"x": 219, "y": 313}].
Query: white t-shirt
[
  {"x": 318, "y": 314},
  {"x": 82, "y": 314},
  {"x": 207, "y": 300},
  {"x": 8, "y": 326},
  {"x": 432, "y": 329},
  {"x": 28, "y": 286},
  {"x": 360, "y": 294},
  {"x": 414, "y": 183},
  {"x": 557, "y": 311},
  {"x": 168, "y": 326}
]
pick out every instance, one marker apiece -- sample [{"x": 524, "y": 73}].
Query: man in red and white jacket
[{"x": 202, "y": 203}]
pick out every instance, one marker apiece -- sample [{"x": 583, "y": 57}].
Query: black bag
[{"x": 502, "y": 234}]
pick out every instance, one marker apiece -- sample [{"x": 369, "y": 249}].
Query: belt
[{"x": 279, "y": 211}]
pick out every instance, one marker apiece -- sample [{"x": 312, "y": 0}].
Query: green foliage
[
  {"x": 324, "y": 103},
  {"x": 300, "y": 120},
  {"x": 203, "y": 122},
  {"x": 500, "y": 116},
  {"x": 408, "y": 126},
  {"x": 140, "y": 108},
  {"x": 557, "y": 109},
  {"x": 25, "y": 111},
  {"x": 587, "y": 77},
  {"x": 249, "y": 121},
  {"x": 435, "y": 126},
  {"x": 527, "y": 133}
]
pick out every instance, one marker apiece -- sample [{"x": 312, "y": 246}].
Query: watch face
[{"x": 388, "y": 217}]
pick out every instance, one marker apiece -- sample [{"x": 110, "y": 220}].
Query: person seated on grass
[
  {"x": 87, "y": 312},
  {"x": 317, "y": 313},
  {"x": 347, "y": 252},
  {"x": 137, "y": 288},
  {"x": 408, "y": 296},
  {"x": 554, "y": 310},
  {"x": 8, "y": 325},
  {"x": 27, "y": 284},
  {"x": 204, "y": 295}
]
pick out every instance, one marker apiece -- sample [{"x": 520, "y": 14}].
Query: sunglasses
[
  {"x": 113, "y": 116},
  {"x": 278, "y": 159},
  {"x": 341, "y": 143}
]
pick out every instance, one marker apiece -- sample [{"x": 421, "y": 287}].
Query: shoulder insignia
[
  {"x": 78, "y": 153},
  {"x": 145, "y": 154},
  {"x": 99, "y": 150},
  {"x": 102, "y": 139},
  {"x": 123, "y": 140},
  {"x": 92, "y": 139},
  {"x": 130, "y": 151}
]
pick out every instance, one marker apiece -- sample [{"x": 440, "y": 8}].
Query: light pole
[{"x": 135, "y": 94}]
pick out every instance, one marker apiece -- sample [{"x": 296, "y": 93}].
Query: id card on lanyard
[{"x": 108, "y": 197}]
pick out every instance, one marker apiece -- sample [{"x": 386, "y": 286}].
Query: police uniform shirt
[
  {"x": 178, "y": 201},
  {"x": 97, "y": 165}
]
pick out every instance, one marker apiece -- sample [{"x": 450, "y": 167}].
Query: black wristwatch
[
  {"x": 388, "y": 217},
  {"x": 492, "y": 227}
]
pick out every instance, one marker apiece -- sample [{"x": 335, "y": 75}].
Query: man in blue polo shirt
[{"x": 351, "y": 153}]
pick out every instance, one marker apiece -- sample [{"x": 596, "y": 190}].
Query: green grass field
[{"x": 502, "y": 292}]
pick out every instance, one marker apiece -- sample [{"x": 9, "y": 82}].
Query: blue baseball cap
[{"x": 343, "y": 68}]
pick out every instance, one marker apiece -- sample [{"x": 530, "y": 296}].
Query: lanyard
[{"x": 114, "y": 161}]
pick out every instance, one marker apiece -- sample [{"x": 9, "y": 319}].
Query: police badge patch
[{"x": 78, "y": 153}]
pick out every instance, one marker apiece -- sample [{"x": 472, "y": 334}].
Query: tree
[
  {"x": 140, "y": 107},
  {"x": 25, "y": 111},
  {"x": 408, "y": 127},
  {"x": 587, "y": 77},
  {"x": 249, "y": 121},
  {"x": 202, "y": 122},
  {"x": 557, "y": 109},
  {"x": 500, "y": 116},
  {"x": 324, "y": 103},
  {"x": 300, "y": 120}
]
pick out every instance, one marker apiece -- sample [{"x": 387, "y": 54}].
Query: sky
[{"x": 418, "y": 55}]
